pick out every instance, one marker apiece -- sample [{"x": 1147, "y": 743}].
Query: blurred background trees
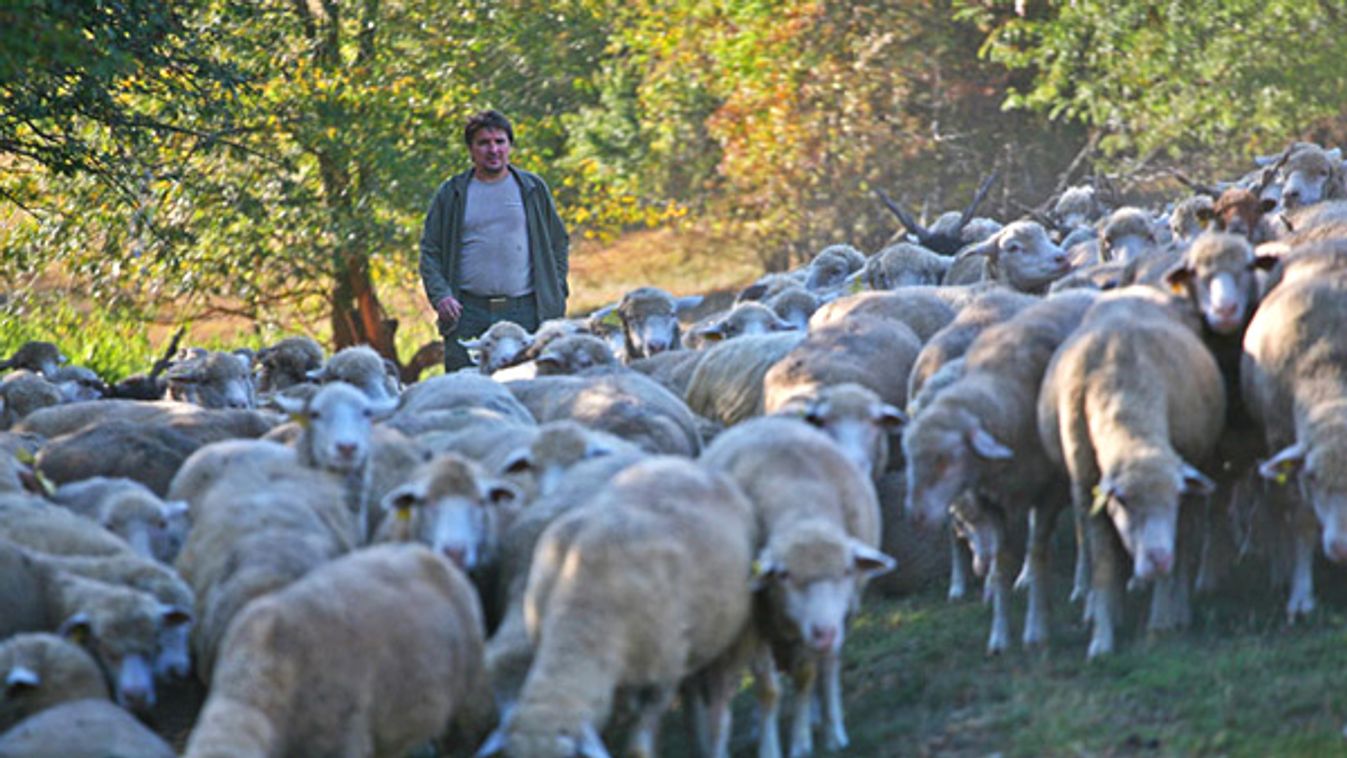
[{"x": 273, "y": 160}]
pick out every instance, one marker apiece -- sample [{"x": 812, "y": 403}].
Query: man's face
[{"x": 490, "y": 150}]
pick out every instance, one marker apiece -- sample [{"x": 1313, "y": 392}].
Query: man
[{"x": 493, "y": 247}]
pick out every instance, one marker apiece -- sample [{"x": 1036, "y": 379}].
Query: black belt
[{"x": 497, "y": 303}]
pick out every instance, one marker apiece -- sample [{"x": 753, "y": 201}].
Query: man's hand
[{"x": 449, "y": 309}]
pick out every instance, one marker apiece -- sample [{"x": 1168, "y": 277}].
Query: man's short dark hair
[{"x": 488, "y": 119}]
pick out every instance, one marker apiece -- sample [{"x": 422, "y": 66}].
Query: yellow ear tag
[
  {"x": 25, "y": 456},
  {"x": 611, "y": 318},
  {"x": 857, "y": 285},
  {"x": 756, "y": 571},
  {"x": 1284, "y": 473},
  {"x": 301, "y": 419},
  {"x": 79, "y": 635},
  {"x": 1100, "y": 500},
  {"x": 404, "y": 514},
  {"x": 47, "y": 485}
]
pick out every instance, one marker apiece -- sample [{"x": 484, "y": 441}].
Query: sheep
[
  {"x": 363, "y": 368},
  {"x": 1021, "y": 256},
  {"x": 953, "y": 339},
  {"x": 820, "y": 525},
  {"x": 742, "y": 319},
  {"x": 1293, "y": 384},
  {"x": 1310, "y": 175},
  {"x": 32, "y": 523},
  {"x": 980, "y": 433},
  {"x": 574, "y": 354},
  {"x": 83, "y": 729},
  {"x": 1190, "y": 217},
  {"x": 537, "y": 465},
  {"x": 23, "y": 392},
  {"x": 452, "y": 505},
  {"x": 831, "y": 266},
  {"x": 925, "y": 310},
  {"x": 509, "y": 652},
  {"x": 794, "y": 305},
  {"x": 768, "y": 286},
  {"x": 41, "y": 670},
  {"x": 726, "y": 384},
  {"x": 336, "y": 427},
  {"x": 1240, "y": 211},
  {"x": 658, "y": 565},
  {"x": 855, "y": 417},
  {"x": 503, "y": 344},
  {"x": 36, "y": 356},
  {"x": 901, "y": 265},
  {"x": 649, "y": 319},
  {"x": 121, "y": 627},
  {"x": 77, "y": 384},
  {"x": 390, "y": 635},
  {"x": 1126, "y": 403},
  {"x": 1127, "y": 234},
  {"x": 259, "y": 527},
  {"x": 209, "y": 464},
  {"x": 212, "y": 380},
  {"x": 625, "y": 403},
  {"x": 1077, "y": 207},
  {"x": 671, "y": 368},
  {"x": 876, "y": 353},
  {"x": 147, "y": 453},
  {"x": 172, "y": 656},
  {"x": 458, "y": 392},
  {"x": 201, "y": 424},
  {"x": 129, "y": 509},
  {"x": 287, "y": 363},
  {"x": 1096, "y": 276}
]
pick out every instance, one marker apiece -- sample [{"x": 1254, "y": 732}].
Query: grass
[{"x": 1239, "y": 683}]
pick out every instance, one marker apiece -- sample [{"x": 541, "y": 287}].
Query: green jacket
[{"x": 549, "y": 244}]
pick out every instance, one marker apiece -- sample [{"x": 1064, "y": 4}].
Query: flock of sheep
[{"x": 539, "y": 556}]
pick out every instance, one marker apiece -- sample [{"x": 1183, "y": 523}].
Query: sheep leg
[
  {"x": 1302, "y": 570},
  {"x": 695, "y": 714},
  {"x": 1036, "y": 618},
  {"x": 1026, "y": 575},
  {"x": 998, "y": 585},
  {"x": 834, "y": 730},
  {"x": 1080, "y": 584},
  {"x": 958, "y": 567},
  {"x": 650, "y": 708},
  {"x": 768, "y": 691},
  {"x": 804, "y": 676},
  {"x": 1105, "y": 596}
]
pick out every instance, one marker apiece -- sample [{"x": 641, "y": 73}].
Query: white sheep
[
  {"x": 645, "y": 585},
  {"x": 213, "y": 380},
  {"x": 820, "y": 527},
  {"x": 40, "y": 670},
  {"x": 83, "y": 729},
  {"x": 1128, "y": 401},
  {"x": 1021, "y": 255},
  {"x": 649, "y": 320},
  {"x": 726, "y": 384},
  {"x": 363, "y": 368},
  {"x": 952, "y": 341},
  {"x": 876, "y": 353},
  {"x": 390, "y": 635}
]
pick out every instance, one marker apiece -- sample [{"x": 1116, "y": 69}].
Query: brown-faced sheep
[
  {"x": 392, "y": 637},
  {"x": 1128, "y": 401}
]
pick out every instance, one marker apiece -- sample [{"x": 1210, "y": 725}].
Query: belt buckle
[{"x": 497, "y": 303}]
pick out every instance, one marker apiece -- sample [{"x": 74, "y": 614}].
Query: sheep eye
[{"x": 313, "y": 415}]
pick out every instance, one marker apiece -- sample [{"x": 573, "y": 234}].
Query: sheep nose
[
  {"x": 456, "y": 554},
  {"x": 1161, "y": 559},
  {"x": 346, "y": 450},
  {"x": 1337, "y": 551},
  {"x": 822, "y": 637},
  {"x": 1291, "y": 197}
]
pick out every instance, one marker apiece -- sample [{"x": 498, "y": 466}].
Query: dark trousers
[{"x": 479, "y": 313}]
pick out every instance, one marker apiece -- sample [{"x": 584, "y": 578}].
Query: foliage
[
  {"x": 114, "y": 343},
  {"x": 1170, "y": 78}
]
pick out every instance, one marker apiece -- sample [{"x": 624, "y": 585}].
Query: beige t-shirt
[{"x": 495, "y": 256}]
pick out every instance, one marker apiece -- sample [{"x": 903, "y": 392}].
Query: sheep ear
[
  {"x": 1178, "y": 278},
  {"x": 782, "y": 325},
  {"x": 888, "y": 416},
  {"x": 1267, "y": 205},
  {"x": 404, "y": 498},
  {"x": 712, "y": 333},
  {"x": 687, "y": 303},
  {"x": 607, "y": 315},
  {"x": 1264, "y": 262},
  {"x": 1194, "y": 482},
  {"x": 290, "y": 405},
  {"x": 1205, "y": 215},
  {"x": 317, "y": 375},
  {"x": 21, "y": 678},
  {"x": 869, "y": 561},
  {"x": 751, "y": 292},
  {"x": 77, "y": 628},
  {"x": 597, "y": 450},
  {"x": 591, "y": 745},
  {"x": 1281, "y": 466},
  {"x": 173, "y": 615},
  {"x": 987, "y": 446},
  {"x": 1101, "y": 493},
  {"x": 518, "y": 462},
  {"x": 765, "y": 569},
  {"x": 501, "y": 493},
  {"x": 382, "y": 408},
  {"x": 549, "y": 359}
]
